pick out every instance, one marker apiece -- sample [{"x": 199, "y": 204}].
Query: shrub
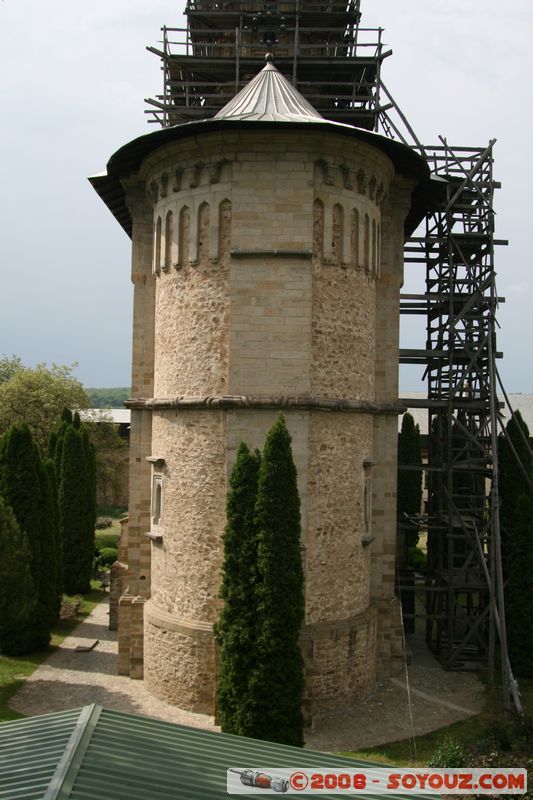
[
  {"x": 103, "y": 522},
  {"x": 449, "y": 753},
  {"x": 106, "y": 540},
  {"x": 417, "y": 559},
  {"x": 108, "y": 556}
]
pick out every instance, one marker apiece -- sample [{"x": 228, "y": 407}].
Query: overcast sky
[{"x": 72, "y": 81}]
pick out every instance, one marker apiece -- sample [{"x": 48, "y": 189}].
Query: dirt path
[{"x": 69, "y": 679}]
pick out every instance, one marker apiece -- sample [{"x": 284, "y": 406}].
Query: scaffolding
[
  {"x": 336, "y": 64},
  {"x": 319, "y": 46}
]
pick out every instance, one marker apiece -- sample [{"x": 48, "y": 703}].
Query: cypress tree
[
  {"x": 17, "y": 590},
  {"x": 277, "y": 680},
  {"x": 66, "y": 416},
  {"x": 512, "y": 482},
  {"x": 73, "y": 514},
  {"x": 409, "y": 493},
  {"x": 237, "y": 626},
  {"x": 519, "y": 589},
  {"x": 90, "y": 496},
  {"x": 20, "y": 484},
  {"x": 51, "y": 547},
  {"x": 52, "y": 444},
  {"x": 48, "y": 574},
  {"x": 55, "y": 448}
]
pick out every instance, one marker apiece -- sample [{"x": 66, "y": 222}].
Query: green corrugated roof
[
  {"x": 94, "y": 753},
  {"x": 30, "y": 751}
]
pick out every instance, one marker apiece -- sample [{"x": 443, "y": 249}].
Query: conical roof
[{"x": 269, "y": 97}]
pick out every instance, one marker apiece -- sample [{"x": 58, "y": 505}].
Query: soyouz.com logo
[{"x": 247, "y": 780}]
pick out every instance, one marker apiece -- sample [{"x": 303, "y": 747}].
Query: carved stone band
[
  {"x": 271, "y": 253},
  {"x": 187, "y": 627},
  {"x": 200, "y": 628},
  {"x": 296, "y": 402}
]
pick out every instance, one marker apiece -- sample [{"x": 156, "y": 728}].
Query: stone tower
[{"x": 267, "y": 264}]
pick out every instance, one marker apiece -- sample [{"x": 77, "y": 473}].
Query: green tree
[
  {"x": 110, "y": 456},
  {"x": 519, "y": 590},
  {"x": 37, "y": 397},
  {"x": 73, "y": 482},
  {"x": 17, "y": 590},
  {"x": 8, "y": 367},
  {"x": 409, "y": 493},
  {"x": 108, "y": 398},
  {"x": 21, "y": 486},
  {"x": 237, "y": 627},
  {"x": 512, "y": 483},
  {"x": 277, "y": 680}
]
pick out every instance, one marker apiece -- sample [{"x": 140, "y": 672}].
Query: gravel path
[{"x": 69, "y": 679}]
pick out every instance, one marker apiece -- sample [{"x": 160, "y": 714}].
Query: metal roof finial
[{"x": 269, "y": 58}]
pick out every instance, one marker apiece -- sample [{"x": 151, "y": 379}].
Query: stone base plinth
[{"x": 179, "y": 664}]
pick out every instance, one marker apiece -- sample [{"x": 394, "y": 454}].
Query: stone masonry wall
[
  {"x": 338, "y": 565},
  {"x": 186, "y": 565},
  {"x": 179, "y": 647},
  {"x": 266, "y": 260}
]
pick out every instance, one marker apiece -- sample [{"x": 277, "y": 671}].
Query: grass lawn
[
  {"x": 108, "y": 537},
  {"x": 14, "y": 671},
  {"x": 493, "y": 731}
]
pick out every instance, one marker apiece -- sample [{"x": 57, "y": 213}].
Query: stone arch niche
[
  {"x": 184, "y": 235},
  {"x": 169, "y": 240},
  {"x": 318, "y": 229},
  {"x": 374, "y": 249},
  {"x": 157, "y": 247},
  {"x": 203, "y": 233},
  {"x": 337, "y": 238},
  {"x": 366, "y": 243},
  {"x": 355, "y": 238},
  {"x": 224, "y": 229}
]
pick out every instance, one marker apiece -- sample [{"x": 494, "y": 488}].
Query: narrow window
[
  {"x": 355, "y": 237},
  {"x": 378, "y": 265},
  {"x": 157, "y": 249},
  {"x": 157, "y": 500},
  {"x": 374, "y": 248},
  {"x": 338, "y": 233},
  {"x": 184, "y": 236},
  {"x": 203, "y": 232},
  {"x": 224, "y": 229},
  {"x": 318, "y": 229},
  {"x": 366, "y": 244},
  {"x": 367, "y": 502},
  {"x": 169, "y": 235}
]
